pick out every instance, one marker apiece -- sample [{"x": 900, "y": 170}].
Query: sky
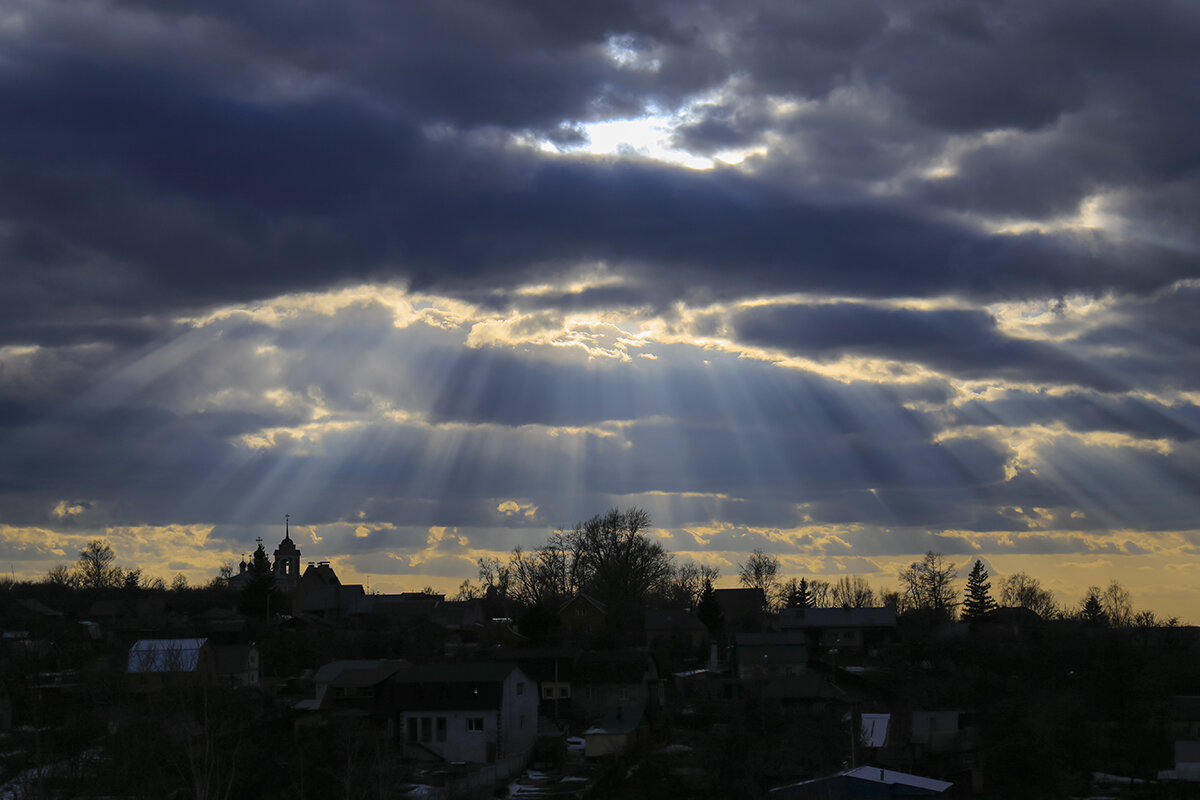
[{"x": 842, "y": 281}]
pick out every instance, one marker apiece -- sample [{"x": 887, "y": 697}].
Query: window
[
  {"x": 441, "y": 729},
  {"x": 475, "y": 723},
  {"x": 426, "y": 729},
  {"x": 522, "y": 724},
  {"x": 564, "y": 690},
  {"x": 548, "y": 692},
  {"x": 411, "y": 725},
  {"x": 520, "y": 687}
]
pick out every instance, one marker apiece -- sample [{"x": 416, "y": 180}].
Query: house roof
[
  {"x": 317, "y": 597},
  {"x": 321, "y": 574},
  {"x": 673, "y": 620},
  {"x": 456, "y": 672},
  {"x": 876, "y": 617},
  {"x": 453, "y": 687},
  {"x": 890, "y": 776},
  {"x": 165, "y": 655},
  {"x": 876, "y": 775},
  {"x": 740, "y": 604},
  {"x": 362, "y": 672},
  {"x": 543, "y": 663},
  {"x": 584, "y": 597},
  {"x": 457, "y": 613}
]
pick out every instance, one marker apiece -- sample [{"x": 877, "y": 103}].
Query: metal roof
[
  {"x": 165, "y": 655},
  {"x": 889, "y": 776}
]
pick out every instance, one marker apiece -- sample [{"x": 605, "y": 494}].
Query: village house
[
  {"x": 237, "y": 665},
  {"x": 553, "y": 669},
  {"x": 766, "y": 656},
  {"x": 676, "y": 637},
  {"x": 853, "y": 633},
  {"x": 608, "y": 680},
  {"x": 319, "y": 593},
  {"x": 471, "y": 712},
  {"x": 358, "y": 687},
  {"x": 583, "y": 618}
]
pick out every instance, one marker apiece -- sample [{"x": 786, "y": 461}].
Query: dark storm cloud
[
  {"x": 136, "y": 182},
  {"x": 1086, "y": 412},
  {"x": 964, "y": 343},
  {"x": 183, "y": 197}
]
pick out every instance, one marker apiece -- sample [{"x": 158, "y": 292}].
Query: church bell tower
[{"x": 287, "y": 559}]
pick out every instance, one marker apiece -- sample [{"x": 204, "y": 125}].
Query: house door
[{"x": 491, "y": 752}]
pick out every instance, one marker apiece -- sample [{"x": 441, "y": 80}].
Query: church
[
  {"x": 286, "y": 565},
  {"x": 316, "y": 591}
]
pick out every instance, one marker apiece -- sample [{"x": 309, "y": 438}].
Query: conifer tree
[
  {"x": 708, "y": 610},
  {"x": 1093, "y": 609},
  {"x": 979, "y": 600},
  {"x": 261, "y": 596},
  {"x": 797, "y": 594}
]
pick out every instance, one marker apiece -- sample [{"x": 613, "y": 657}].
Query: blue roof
[{"x": 165, "y": 655}]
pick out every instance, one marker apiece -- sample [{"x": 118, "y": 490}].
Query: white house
[{"x": 475, "y": 713}]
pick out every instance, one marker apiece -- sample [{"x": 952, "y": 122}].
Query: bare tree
[
  {"x": 1118, "y": 604},
  {"x": 928, "y": 584},
  {"x": 1022, "y": 591},
  {"x": 853, "y": 591},
  {"x": 495, "y": 576},
  {"x": 820, "y": 593},
  {"x": 62, "y": 576},
  {"x": 616, "y": 558},
  {"x": 686, "y": 584},
  {"x": 96, "y": 567},
  {"x": 761, "y": 571},
  {"x": 609, "y": 555}
]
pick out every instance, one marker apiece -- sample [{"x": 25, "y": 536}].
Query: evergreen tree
[
  {"x": 797, "y": 594},
  {"x": 1093, "y": 608},
  {"x": 979, "y": 598},
  {"x": 261, "y": 596},
  {"x": 708, "y": 610}
]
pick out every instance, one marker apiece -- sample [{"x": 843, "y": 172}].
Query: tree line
[
  {"x": 611, "y": 557},
  {"x": 96, "y": 568}
]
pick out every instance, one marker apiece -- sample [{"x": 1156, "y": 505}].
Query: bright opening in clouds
[{"x": 844, "y": 282}]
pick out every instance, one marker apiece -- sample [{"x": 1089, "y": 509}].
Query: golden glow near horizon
[{"x": 1041, "y": 541}]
